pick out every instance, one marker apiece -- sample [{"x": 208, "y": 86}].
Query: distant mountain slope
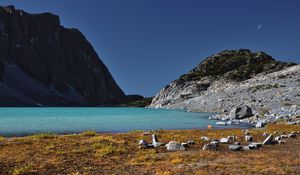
[
  {"x": 233, "y": 78},
  {"x": 43, "y": 63}
]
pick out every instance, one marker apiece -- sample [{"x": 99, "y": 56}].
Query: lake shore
[{"x": 118, "y": 153}]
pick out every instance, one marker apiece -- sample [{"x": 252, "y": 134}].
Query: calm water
[{"x": 24, "y": 121}]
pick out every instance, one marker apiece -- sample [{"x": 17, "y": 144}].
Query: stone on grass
[
  {"x": 277, "y": 138},
  {"x": 224, "y": 140},
  {"x": 248, "y": 138},
  {"x": 283, "y": 136},
  {"x": 214, "y": 143},
  {"x": 155, "y": 141},
  {"x": 257, "y": 144},
  {"x": 281, "y": 141},
  {"x": 259, "y": 124},
  {"x": 174, "y": 146},
  {"x": 191, "y": 142},
  {"x": 143, "y": 144},
  {"x": 252, "y": 146},
  {"x": 185, "y": 145},
  {"x": 268, "y": 140},
  {"x": 292, "y": 135},
  {"x": 205, "y": 138},
  {"x": 231, "y": 139},
  {"x": 237, "y": 143},
  {"x": 246, "y": 148},
  {"x": 234, "y": 147}
]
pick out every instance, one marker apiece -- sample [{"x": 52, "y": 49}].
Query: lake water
[{"x": 25, "y": 121}]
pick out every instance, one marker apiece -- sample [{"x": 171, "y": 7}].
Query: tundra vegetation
[{"x": 107, "y": 153}]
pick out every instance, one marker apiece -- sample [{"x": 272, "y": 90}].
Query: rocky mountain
[
  {"x": 43, "y": 63},
  {"x": 232, "y": 79}
]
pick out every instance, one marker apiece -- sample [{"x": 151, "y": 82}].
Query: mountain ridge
[
  {"x": 259, "y": 82},
  {"x": 43, "y": 63}
]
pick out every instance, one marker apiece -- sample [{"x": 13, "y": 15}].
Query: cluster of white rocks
[
  {"x": 232, "y": 141},
  {"x": 234, "y": 145},
  {"x": 171, "y": 146}
]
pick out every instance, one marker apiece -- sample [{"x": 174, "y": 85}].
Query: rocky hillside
[
  {"x": 43, "y": 63},
  {"x": 231, "y": 79}
]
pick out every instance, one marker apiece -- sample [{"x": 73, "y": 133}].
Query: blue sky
[{"x": 148, "y": 43}]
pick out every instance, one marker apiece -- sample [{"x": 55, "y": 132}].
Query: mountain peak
[{"x": 235, "y": 65}]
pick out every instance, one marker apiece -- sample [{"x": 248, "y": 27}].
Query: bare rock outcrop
[{"x": 232, "y": 79}]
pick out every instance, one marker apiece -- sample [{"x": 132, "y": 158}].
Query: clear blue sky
[{"x": 148, "y": 43}]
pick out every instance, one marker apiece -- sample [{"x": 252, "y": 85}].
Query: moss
[{"x": 22, "y": 170}]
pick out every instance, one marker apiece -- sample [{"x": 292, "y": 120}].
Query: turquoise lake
[{"x": 25, "y": 121}]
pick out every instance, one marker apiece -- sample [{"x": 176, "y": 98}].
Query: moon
[{"x": 259, "y": 27}]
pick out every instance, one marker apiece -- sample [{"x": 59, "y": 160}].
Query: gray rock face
[
  {"x": 214, "y": 86},
  {"x": 44, "y": 64}
]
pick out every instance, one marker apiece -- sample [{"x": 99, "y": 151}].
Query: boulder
[
  {"x": 234, "y": 147},
  {"x": 283, "y": 136},
  {"x": 248, "y": 138},
  {"x": 209, "y": 146},
  {"x": 191, "y": 142},
  {"x": 185, "y": 145},
  {"x": 240, "y": 113},
  {"x": 231, "y": 139},
  {"x": 224, "y": 140},
  {"x": 256, "y": 144},
  {"x": 292, "y": 135},
  {"x": 215, "y": 143},
  {"x": 246, "y": 148},
  {"x": 277, "y": 138},
  {"x": 174, "y": 146},
  {"x": 259, "y": 124},
  {"x": 268, "y": 140},
  {"x": 237, "y": 143},
  {"x": 281, "y": 141},
  {"x": 143, "y": 144},
  {"x": 155, "y": 141},
  {"x": 252, "y": 146},
  {"x": 205, "y": 138}
]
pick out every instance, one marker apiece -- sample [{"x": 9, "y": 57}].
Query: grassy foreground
[{"x": 99, "y": 153}]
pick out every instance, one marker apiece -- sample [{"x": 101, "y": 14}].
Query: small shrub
[
  {"x": 44, "y": 136},
  {"x": 109, "y": 150},
  {"x": 89, "y": 133},
  {"x": 2, "y": 138},
  {"x": 22, "y": 170}
]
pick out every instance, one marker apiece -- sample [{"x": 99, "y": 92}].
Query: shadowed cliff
[{"x": 44, "y": 64}]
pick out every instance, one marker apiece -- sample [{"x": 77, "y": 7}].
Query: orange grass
[{"x": 106, "y": 153}]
